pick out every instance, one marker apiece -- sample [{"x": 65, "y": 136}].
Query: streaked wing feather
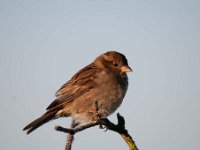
[{"x": 81, "y": 82}]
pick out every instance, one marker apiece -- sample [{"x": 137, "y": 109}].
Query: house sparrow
[{"x": 104, "y": 80}]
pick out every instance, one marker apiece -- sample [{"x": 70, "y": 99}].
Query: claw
[{"x": 103, "y": 127}]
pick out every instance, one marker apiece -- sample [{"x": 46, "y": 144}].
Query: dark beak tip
[{"x": 131, "y": 70}]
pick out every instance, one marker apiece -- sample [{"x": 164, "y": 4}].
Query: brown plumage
[{"x": 104, "y": 81}]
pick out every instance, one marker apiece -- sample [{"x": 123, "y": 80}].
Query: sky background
[{"x": 43, "y": 43}]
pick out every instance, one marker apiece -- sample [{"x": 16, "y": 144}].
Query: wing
[{"x": 80, "y": 83}]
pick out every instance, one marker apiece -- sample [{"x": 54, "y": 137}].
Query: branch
[
  {"x": 70, "y": 137},
  {"x": 119, "y": 128},
  {"x": 98, "y": 120}
]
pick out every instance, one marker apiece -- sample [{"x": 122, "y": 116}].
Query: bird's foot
[{"x": 97, "y": 115}]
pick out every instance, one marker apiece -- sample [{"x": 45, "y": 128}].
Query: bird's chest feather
[{"x": 113, "y": 89}]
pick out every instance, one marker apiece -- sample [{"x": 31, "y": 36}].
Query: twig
[
  {"x": 70, "y": 137},
  {"x": 119, "y": 128},
  {"x": 77, "y": 129}
]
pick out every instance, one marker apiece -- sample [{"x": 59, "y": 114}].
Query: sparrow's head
[{"x": 115, "y": 61}]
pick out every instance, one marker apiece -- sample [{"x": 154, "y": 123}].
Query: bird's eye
[{"x": 115, "y": 64}]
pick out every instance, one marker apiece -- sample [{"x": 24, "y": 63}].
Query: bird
[{"x": 104, "y": 80}]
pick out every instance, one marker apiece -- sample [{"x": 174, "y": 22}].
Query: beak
[{"x": 126, "y": 69}]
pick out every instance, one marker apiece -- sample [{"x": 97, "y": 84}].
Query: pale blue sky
[{"x": 43, "y": 43}]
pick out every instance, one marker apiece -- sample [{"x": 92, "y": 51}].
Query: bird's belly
[{"x": 107, "y": 101}]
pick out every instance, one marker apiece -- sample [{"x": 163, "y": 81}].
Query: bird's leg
[{"x": 98, "y": 114}]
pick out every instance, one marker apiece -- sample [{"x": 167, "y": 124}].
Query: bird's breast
[{"x": 112, "y": 92}]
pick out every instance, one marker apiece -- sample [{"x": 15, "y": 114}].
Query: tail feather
[{"x": 40, "y": 121}]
